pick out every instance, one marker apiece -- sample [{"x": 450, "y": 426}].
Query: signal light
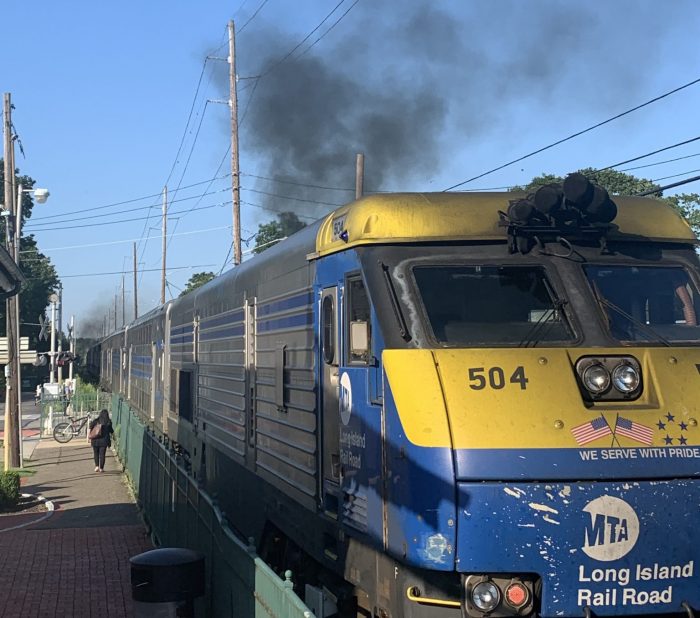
[{"x": 517, "y": 595}]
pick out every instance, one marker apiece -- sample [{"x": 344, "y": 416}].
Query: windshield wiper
[
  {"x": 545, "y": 321},
  {"x": 394, "y": 299},
  {"x": 634, "y": 321}
]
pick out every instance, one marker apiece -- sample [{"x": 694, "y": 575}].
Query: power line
[
  {"x": 294, "y": 199},
  {"x": 659, "y": 190},
  {"x": 675, "y": 175},
  {"x": 128, "y": 240},
  {"x": 573, "y": 135},
  {"x": 649, "y": 154},
  {"x": 131, "y": 201},
  {"x": 306, "y": 38},
  {"x": 639, "y": 167},
  {"x": 70, "y": 227},
  {"x": 352, "y": 6},
  {"x": 299, "y": 184},
  {"x": 187, "y": 124},
  {"x": 253, "y": 16},
  {"x": 128, "y": 272},
  {"x": 277, "y": 212},
  {"x": 30, "y": 227}
]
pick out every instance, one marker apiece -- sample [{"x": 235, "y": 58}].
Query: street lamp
[{"x": 13, "y": 401}]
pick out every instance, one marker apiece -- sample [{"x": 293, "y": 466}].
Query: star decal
[
  {"x": 670, "y": 417},
  {"x": 668, "y": 439},
  {"x": 661, "y": 425},
  {"x": 682, "y": 440},
  {"x": 683, "y": 426}
]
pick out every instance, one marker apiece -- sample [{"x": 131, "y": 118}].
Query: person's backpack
[{"x": 95, "y": 432}]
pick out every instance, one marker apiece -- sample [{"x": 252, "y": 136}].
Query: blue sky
[{"x": 432, "y": 92}]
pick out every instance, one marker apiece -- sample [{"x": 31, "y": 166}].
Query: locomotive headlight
[
  {"x": 625, "y": 378},
  {"x": 486, "y": 596},
  {"x": 596, "y": 378}
]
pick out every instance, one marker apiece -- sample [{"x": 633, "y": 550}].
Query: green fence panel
[{"x": 238, "y": 583}]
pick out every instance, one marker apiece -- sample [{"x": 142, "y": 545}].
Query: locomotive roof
[{"x": 430, "y": 217}]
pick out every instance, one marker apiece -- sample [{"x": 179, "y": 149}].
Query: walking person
[{"x": 100, "y": 437}]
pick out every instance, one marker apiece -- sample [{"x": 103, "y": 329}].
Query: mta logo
[
  {"x": 606, "y": 529},
  {"x": 611, "y": 529}
]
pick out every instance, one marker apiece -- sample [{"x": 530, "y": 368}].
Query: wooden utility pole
[
  {"x": 11, "y": 393},
  {"x": 136, "y": 296},
  {"x": 359, "y": 175},
  {"x": 235, "y": 172},
  {"x": 165, "y": 244}
]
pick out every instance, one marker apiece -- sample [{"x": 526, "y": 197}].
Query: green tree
[
  {"x": 286, "y": 224},
  {"x": 197, "y": 280},
  {"x": 619, "y": 183},
  {"x": 40, "y": 274}
]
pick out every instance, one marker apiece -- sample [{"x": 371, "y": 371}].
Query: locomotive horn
[
  {"x": 601, "y": 208},
  {"x": 578, "y": 190},
  {"x": 548, "y": 198},
  {"x": 520, "y": 211}
]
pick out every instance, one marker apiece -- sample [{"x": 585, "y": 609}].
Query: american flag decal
[
  {"x": 592, "y": 430},
  {"x": 636, "y": 431}
]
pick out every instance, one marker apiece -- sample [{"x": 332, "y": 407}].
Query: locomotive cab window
[
  {"x": 358, "y": 323},
  {"x": 507, "y": 305},
  {"x": 647, "y": 303}
]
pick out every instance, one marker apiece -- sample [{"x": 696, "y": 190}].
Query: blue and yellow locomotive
[{"x": 438, "y": 405}]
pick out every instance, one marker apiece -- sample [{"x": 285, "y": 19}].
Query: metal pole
[
  {"x": 72, "y": 348},
  {"x": 235, "y": 172},
  {"x": 52, "y": 375},
  {"x": 60, "y": 332},
  {"x": 136, "y": 296},
  {"x": 165, "y": 244},
  {"x": 359, "y": 175},
  {"x": 11, "y": 445}
]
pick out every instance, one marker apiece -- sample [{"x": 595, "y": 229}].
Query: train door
[
  {"x": 154, "y": 379},
  {"x": 330, "y": 358}
]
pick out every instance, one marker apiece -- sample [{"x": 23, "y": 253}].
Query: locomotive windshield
[
  {"x": 647, "y": 303},
  {"x": 469, "y": 305}
]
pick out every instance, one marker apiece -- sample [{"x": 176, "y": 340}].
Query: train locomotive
[{"x": 448, "y": 405}]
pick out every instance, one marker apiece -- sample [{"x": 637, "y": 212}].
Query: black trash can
[{"x": 166, "y": 581}]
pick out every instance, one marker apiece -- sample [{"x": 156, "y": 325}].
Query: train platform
[{"x": 72, "y": 560}]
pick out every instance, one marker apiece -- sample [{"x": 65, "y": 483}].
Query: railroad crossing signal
[
  {"x": 43, "y": 331},
  {"x": 26, "y": 356}
]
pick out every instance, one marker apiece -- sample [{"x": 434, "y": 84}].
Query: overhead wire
[
  {"x": 130, "y": 201},
  {"x": 253, "y": 16},
  {"x": 31, "y": 226},
  {"x": 574, "y": 135},
  {"x": 649, "y": 154}
]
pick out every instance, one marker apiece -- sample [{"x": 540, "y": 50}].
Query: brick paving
[{"x": 76, "y": 561}]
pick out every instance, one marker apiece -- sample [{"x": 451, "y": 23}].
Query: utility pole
[
  {"x": 359, "y": 175},
  {"x": 123, "y": 303},
  {"x": 115, "y": 313},
  {"x": 235, "y": 171},
  {"x": 136, "y": 296},
  {"x": 165, "y": 244},
  {"x": 11, "y": 393}
]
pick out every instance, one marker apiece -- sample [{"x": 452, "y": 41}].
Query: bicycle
[{"x": 65, "y": 432}]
